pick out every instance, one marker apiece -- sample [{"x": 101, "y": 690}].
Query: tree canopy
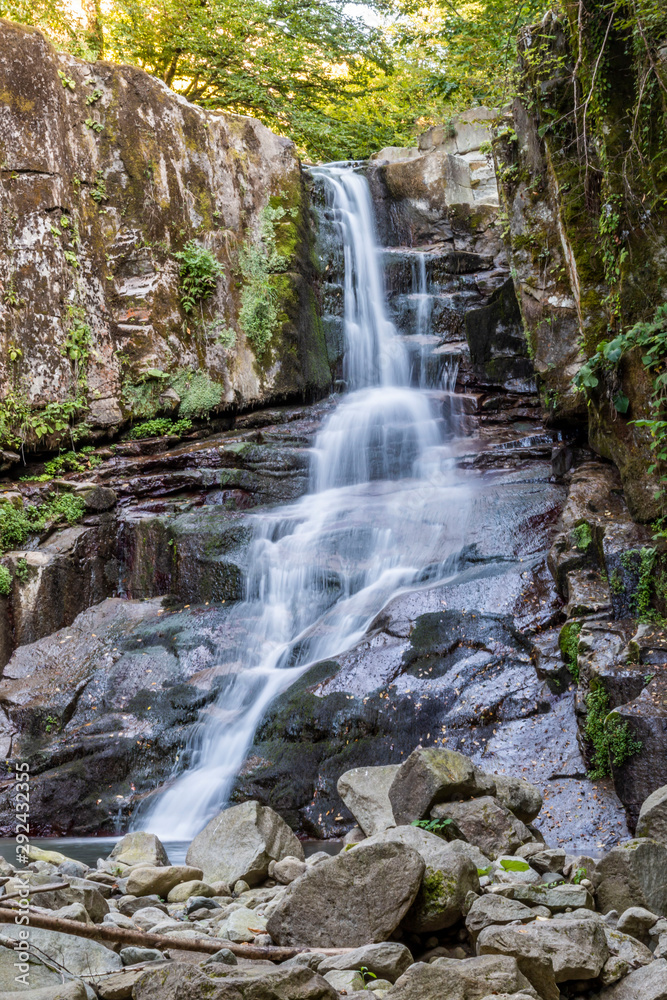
[{"x": 340, "y": 80}]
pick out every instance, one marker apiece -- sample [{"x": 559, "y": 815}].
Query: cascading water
[{"x": 384, "y": 513}]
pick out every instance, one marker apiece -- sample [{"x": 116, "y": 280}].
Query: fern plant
[{"x": 198, "y": 273}]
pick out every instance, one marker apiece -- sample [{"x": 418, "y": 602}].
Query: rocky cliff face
[
  {"x": 106, "y": 174},
  {"x": 583, "y": 202}
]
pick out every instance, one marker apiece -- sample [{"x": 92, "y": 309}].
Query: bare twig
[{"x": 33, "y": 890}]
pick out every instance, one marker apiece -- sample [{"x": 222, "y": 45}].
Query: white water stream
[{"x": 384, "y": 512}]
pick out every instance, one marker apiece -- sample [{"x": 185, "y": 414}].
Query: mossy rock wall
[
  {"x": 92, "y": 214},
  {"x": 585, "y": 217}
]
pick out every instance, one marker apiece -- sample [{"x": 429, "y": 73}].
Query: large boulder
[
  {"x": 139, "y": 849},
  {"x": 358, "y": 897},
  {"x": 486, "y": 823},
  {"x": 550, "y": 951},
  {"x": 461, "y": 979},
  {"x": 78, "y": 956},
  {"x": 519, "y": 796},
  {"x": 652, "y": 820},
  {"x": 159, "y": 881},
  {"x": 365, "y": 792},
  {"x": 240, "y": 843},
  {"x": 449, "y": 876},
  {"x": 386, "y": 960},
  {"x": 633, "y": 874},
  {"x": 556, "y": 898},
  {"x": 647, "y": 983},
  {"x": 181, "y": 981},
  {"x": 493, "y": 909},
  {"x": 36, "y": 973},
  {"x": 427, "y": 777},
  {"x": 94, "y": 902},
  {"x": 74, "y": 989}
]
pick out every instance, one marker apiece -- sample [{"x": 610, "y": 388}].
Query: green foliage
[
  {"x": 99, "y": 190},
  {"x": 17, "y": 524},
  {"x": 611, "y": 739},
  {"x": 71, "y": 461},
  {"x": 580, "y": 874},
  {"x": 5, "y": 581},
  {"x": 582, "y": 536},
  {"x": 21, "y": 570},
  {"x": 199, "y": 394},
  {"x": 95, "y": 96},
  {"x": 616, "y": 583},
  {"x": 366, "y": 974},
  {"x": 159, "y": 427},
  {"x": 51, "y": 724},
  {"x": 67, "y": 82},
  {"x": 199, "y": 272},
  {"x": 437, "y": 826},
  {"x": 94, "y": 125},
  {"x": 568, "y": 643},
  {"x": 259, "y": 316}
]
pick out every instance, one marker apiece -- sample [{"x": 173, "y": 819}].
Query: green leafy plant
[
  {"x": 568, "y": 643},
  {"x": 21, "y": 570},
  {"x": 67, "y": 81},
  {"x": 159, "y": 427},
  {"x": 611, "y": 739},
  {"x": 94, "y": 125},
  {"x": 95, "y": 96},
  {"x": 199, "y": 272},
  {"x": 437, "y": 826},
  {"x": 51, "y": 724},
  {"x": 5, "y": 581},
  {"x": 99, "y": 190},
  {"x": 579, "y": 875}
]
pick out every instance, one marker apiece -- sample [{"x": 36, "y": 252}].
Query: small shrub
[
  {"x": 198, "y": 393},
  {"x": 21, "y": 570},
  {"x": 611, "y": 739},
  {"x": 199, "y": 272},
  {"x": 64, "y": 507},
  {"x": 159, "y": 427},
  {"x": 5, "y": 581}
]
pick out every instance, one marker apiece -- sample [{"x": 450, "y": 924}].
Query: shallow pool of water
[{"x": 88, "y": 849}]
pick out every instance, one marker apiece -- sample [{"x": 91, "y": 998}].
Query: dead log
[{"x": 110, "y": 934}]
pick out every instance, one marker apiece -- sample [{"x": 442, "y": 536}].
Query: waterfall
[{"x": 384, "y": 512}]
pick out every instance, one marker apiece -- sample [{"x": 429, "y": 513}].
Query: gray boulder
[
  {"x": 78, "y": 956},
  {"x": 159, "y": 881},
  {"x": 91, "y": 899},
  {"x": 652, "y": 820},
  {"x": 345, "y": 980},
  {"x": 129, "y": 905},
  {"x": 493, "y": 909},
  {"x": 449, "y": 876},
  {"x": 487, "y": 824},
  {"x": 386, "y": 960},
  {"x": 287, "y": 870},
  {"x": 358, "y": 897},
  {"x": 519, "y": 796},
  {"x": 426, "y": 778},
  {"x": 240, "y": 843},
  {"x": 72, "y": 990},
  {"x": 461, "y": 979},
  {"x": 633, "y": 874},
  {"x": 36, "y": 973},
  {"x": 637, "y": 921},
  {"x": 139, "y": 849},
  {"x": 556, "y": 898},
  {"x": 551, "y": 860},
  {"x": 647, "y": 983},
  {"x": 181, "y": 981},
  {"x": 365, "y": 792},
  {"x": 133, "y": 956},
  {"x": 550, "y": 951},
  {"x": 629, "y": 950}
]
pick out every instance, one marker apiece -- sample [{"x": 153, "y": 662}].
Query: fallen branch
[
  {"x": 33, "y": 890},
  {"x": 121, "y": 935}
]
